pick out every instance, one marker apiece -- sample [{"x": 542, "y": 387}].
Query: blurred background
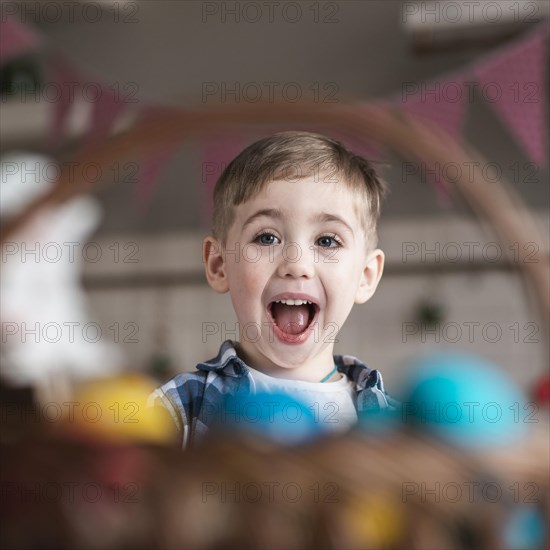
[
  {"x": 74, "y": 72},
  {"x": 103, "y": 281}
]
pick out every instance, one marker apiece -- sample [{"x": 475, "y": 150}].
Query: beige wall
[{"x": 164, "y": 291}]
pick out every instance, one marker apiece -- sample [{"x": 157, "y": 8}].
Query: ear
[
  {"x": 372, "y": 272},
  {"x": 214, "y": 265}
]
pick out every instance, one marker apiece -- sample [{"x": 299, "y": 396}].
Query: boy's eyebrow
[
  {"x": 322, "y": 217},
  {"x": 268, "y": 212},
  {"x": 325, "y": 217}
]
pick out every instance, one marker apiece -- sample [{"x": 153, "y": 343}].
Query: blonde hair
[{"x": 294, "y": 155}]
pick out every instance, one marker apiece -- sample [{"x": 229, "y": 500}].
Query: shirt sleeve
[{"x": 158, "y": 398}]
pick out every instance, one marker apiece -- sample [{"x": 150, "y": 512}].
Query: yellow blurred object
[
  {"x": 116, "y": 409},
  {"x": 375, "y": 520}
]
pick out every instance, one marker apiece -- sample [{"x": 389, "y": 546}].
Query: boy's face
[{"x": 294, "y": 240}]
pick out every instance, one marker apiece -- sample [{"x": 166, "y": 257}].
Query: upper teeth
[{"x": 293, "y": 302}]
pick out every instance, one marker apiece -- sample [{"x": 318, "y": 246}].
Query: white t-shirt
[{"x": 332, "y": 403}]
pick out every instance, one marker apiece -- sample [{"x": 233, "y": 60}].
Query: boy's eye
[
  {"x": 326, "y": 240},
  {"x": 266, "y": 239}
]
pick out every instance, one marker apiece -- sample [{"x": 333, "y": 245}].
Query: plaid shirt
[{"x": 194, "y": 399}]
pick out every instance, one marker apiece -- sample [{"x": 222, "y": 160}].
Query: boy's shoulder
[
  {"x": 225, "y": 368},
  {"x": 187, "y": 393},
  {"x": 228, "y": 374},
  {"x": 227, "y": 363},
  {"x": 371, "y": 394},
  {"x": 194, "y": 398}
]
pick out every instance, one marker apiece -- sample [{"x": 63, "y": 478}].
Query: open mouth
[{"x": 293, "y": 317}]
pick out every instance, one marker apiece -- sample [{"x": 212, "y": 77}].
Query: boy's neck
[{"x": 312, "y": 371}]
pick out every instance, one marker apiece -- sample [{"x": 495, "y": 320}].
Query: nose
[{"x": 296, "y": 261}]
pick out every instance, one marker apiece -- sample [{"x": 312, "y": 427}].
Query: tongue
[{"x": 291, "y": 319}]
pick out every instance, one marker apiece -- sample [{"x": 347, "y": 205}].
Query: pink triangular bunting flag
[
  {"x": 362, "y": 147},
  {"x": 217, "y": 153},
  {"x": 67, "y": 83},
  {"x": 15, "y": 38},
  {"x": 441, "y": 103},
  {"x": 151, "y": 168},
  {"x": 107, "y": 105},
  {"x": 517, "y": 80}
]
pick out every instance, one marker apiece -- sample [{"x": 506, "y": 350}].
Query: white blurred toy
[{"x": 48, "y": 338}]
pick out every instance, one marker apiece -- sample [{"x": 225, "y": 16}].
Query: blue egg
[
  {"x": 379, "y": 423},
  {"x": 275, "y": 416},
  {"x": 465, "y": 400},
  {"x": 525, "y": 529}
]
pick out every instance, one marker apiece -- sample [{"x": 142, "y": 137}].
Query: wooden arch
[{"x": 492, "y": 202}]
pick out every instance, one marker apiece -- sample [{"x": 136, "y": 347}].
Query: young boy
[{"x": 294, "y": 243}]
